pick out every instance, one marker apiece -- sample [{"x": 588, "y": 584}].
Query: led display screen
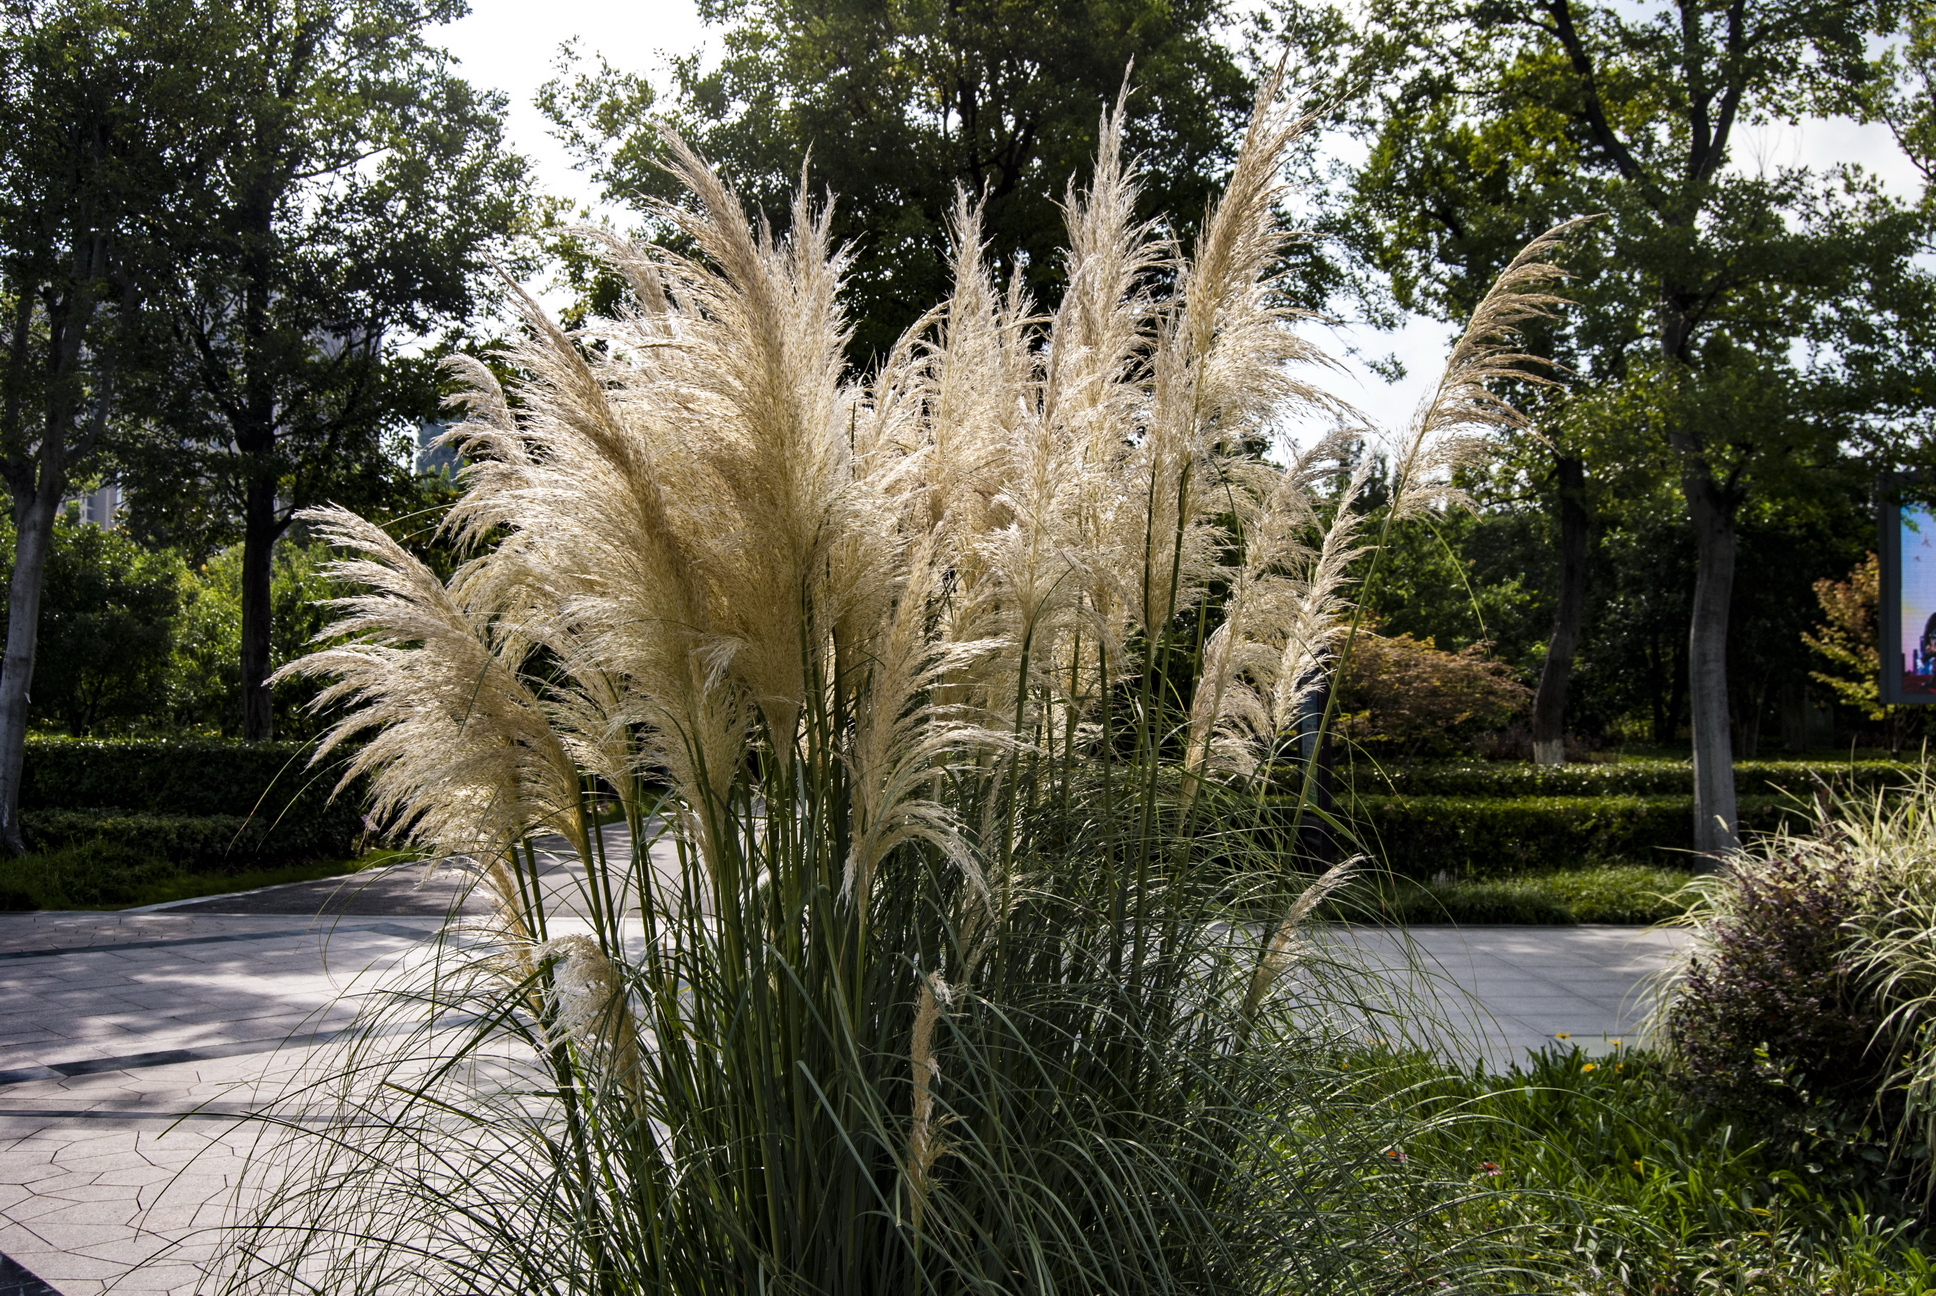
[{"x": 1908, "y": 598}]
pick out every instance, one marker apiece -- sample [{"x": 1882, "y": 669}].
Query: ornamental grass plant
[
  {"x": 1807, "y": 1004},
  {"x": 942, "y": 942}
]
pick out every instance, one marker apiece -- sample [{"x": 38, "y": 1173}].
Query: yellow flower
[
  {"x": 1588, "y": 1067},
  {"x": 1562, "y": 1035}
]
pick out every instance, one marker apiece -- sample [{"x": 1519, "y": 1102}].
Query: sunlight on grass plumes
[{"x": 911, "y": 967}]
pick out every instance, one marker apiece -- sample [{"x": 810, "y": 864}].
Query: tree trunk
[
  {"x": 1549, "y": 704},
  {"x": 1316, "y": 844},
  {"x": 259, "y": 531},
  {"x": 34, "y": 522},
  {"x": 1716, "y": 824}
]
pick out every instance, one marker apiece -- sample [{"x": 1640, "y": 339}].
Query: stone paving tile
[
  {"x": 99, "y": 1182},
  {"x": 96, "y": 1176}
]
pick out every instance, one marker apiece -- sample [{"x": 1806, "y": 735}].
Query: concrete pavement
[{"x": 130, "y": 1042}]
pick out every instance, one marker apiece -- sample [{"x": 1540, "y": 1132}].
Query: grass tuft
[{"x": 1602, "y": 893}]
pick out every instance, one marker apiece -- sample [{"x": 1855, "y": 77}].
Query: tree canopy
[
  {"x": 891, "y": 107},
  {"x": 1744, "y": 332},
  {"x": 361, "y": 194}
]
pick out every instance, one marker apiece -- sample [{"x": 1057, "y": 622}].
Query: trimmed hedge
[
  {"x": 203, "y": 805},
  {"x": 194, "y": 843},
  {"x": 1604, "y": 893},
  {"x": 1474, "y": 837},
  {"x": 1650, "y": 778}
]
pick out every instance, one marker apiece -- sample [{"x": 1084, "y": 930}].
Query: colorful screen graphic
[{"x": 1909, "y": 590}]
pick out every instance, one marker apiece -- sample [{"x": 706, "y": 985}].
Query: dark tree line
[
  {"x": 229, "y": 232},
  {"x": 232, "y": 235}
]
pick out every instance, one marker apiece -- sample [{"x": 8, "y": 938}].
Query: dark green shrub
[
  {"x": 1423, "y": 836},
  {"x": 1772, "y": 1021},
  {"x": 1772, "y": 1003},
  {"x": 197, "y": 803},
  {"x": 96, "y": 874},
  {"x": 193, "y": 843},
  {"x": 107, "y": 628},
  {"x": 1625, "y": 778}
]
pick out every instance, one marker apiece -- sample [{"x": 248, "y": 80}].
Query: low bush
[
  {"x": 195, "y": 803},
  {"x": 108, "y": 875},
  {"x": 1627, "y": 894},
  {"x": 195, "y": 843},
  {"x": 1424, "y": 836},
  {"x": 173, "y": 776},
  {"x": 1770, "y": 1020},
  {"x": 1648, "y": 778},
  {"x": 1806, "y": 1007},
  {"x": 1410, "y": 698}
]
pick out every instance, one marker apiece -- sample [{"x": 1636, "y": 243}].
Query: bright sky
[{"x": 511, "y": 45}]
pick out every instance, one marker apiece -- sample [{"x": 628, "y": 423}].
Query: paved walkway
[{"x": 129, "y": 1042}]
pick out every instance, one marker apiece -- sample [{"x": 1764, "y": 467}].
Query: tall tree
[
  {"x": 891, "y": 106},
  {"x": 1734, "y": 310},
  {"x": 363, "y": 191},
  {"x": 102, "y": 122}
]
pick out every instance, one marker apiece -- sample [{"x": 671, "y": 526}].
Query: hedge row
[
  {"x": 1652, "y": 778},
  {"x": 196, "y": 843},
  {"x": 1476, "y": 837},
  {"x": 207, "y": 806}
]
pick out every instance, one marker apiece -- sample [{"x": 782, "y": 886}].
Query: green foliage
[
  {"x": 205, "y": 679},
  {"x": 268, "y": 784},
  {"x": 104, "y": 118},
  {"x": 1422, "y": 836},
  {"x": 1595, "y": 1175},
  {"x": 195, "y": 843},
  {"x": 1407, "y": 698},
  {"x": 132, "y": 640},
  {"x": 894, "y": 106},
  {"x": 1750, "y": 339},
  {"x": 114, "y": 874},
  {"x": 107, "y": 629},
  {"x": 1610, "y": 893},
  {"x": 362, "y": 197},
  {"x": 1471, "y": 576},
  {"x": 1629, "y": 778},
  {"x": 80, "y": 876}
]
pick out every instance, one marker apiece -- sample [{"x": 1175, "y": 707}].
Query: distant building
[
  {"x": 434, "y": 460},
  {"x": 99, "y": 507}
]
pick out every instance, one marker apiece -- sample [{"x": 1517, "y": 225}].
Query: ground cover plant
[
  {"x": 116, "y": 876},
  {"x": 1595, "y": 1173},
  {"x": 1606, "y": 893},
  {"x": 928, "y": 984}
]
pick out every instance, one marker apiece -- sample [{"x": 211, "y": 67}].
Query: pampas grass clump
[{"x": 902, "y": 968}]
